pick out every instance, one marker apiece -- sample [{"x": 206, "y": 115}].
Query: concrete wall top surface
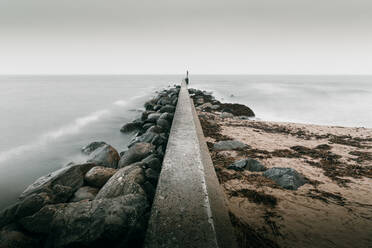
[{"x": 189, "y": 208}]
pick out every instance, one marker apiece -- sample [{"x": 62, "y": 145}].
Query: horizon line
[{"x": 197, "y": 74}]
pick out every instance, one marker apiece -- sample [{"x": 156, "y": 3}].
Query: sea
[{"x": 46, "y": 119}]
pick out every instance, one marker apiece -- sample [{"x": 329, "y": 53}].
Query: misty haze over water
[{"x": 47, "y": 119}]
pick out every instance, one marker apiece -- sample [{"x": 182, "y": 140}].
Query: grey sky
[{"x": 168, "y": 36}]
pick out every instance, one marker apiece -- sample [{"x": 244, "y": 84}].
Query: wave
[
  {"x": 120, "y": 103},
  {"x": 44, "y": 139},
  {"x": 73, "y": 128},
  {"x": 76, "y": 125}
]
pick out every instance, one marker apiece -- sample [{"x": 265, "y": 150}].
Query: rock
[
  {"x": 160, "y": 151},
  {"x": 149, "y": 105},
  {"x": 174, "y": 101},
  {"x": 105, "y": 156},
  {"x": 248, "y": 164},
  {"x": 12, "y": 237},
  {"x": 152, "y": 162},
  {"x": 157, "y": 140},
  {"x": 99, "y": 175},
  {"x": 145, "y": 114},
  {"x": 168, "y": 109},
  {"x": 127, "y": 180},
  {"x": 205, "y": 105},
  {"x": 239, "y": 165},
  {"x": 136, "y": 153},
  {"x": 122, "y": 153},
  {"x": 28, "y": 206},
  {"x": 149, "y": 190},
  {"x": 164, "y": 101},
  {"x": 147, "y": 126},
  {"x": 153, "y": 117},
  {"x": 166, "y": 116},
  {"x": 237, "y": 109},
  {"x": 157, "y": 107},
  {"x": 147, "y": 137},
  {"x": 79, "y": 224},
  {"x": 228, "y": 145},
  {"x": 155, "y": 129},
  {"x": 84, "y": 193},
  {"x": 215, "y": 107},
  {"x": 287, "y": 178},
  {"x": 131, "y": 126},
  {"x": 243, "y": 117},
  {"x": 164, "y": 124},
  {"x": 226, "y": 115},
  {"x": 199, "y": 100},
  {"x": 92, "y": 146},
  {"x": 254, "y": 165},
  {"x": 61, "y": 183},
  {"x": 152, "y": 176}
]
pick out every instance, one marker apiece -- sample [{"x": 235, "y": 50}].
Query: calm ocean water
[{"x": 45, "y": 120}]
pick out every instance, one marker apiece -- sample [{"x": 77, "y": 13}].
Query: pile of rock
[
  {"x": 205, "y": 101},
  {"x": 105, "y": 201}
]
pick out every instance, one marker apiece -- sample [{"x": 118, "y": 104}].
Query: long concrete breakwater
[
  {"x": 189, "y": 208},
  {"x": 120, "y": 200}
]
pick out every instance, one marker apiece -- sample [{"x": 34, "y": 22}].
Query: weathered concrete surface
[{"x": 189, "y": 208}]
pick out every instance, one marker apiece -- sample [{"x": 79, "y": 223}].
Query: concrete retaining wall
[{"x": 189, "y": 208}]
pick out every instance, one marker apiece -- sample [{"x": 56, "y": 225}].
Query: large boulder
[
  {"x": 88, "y": 149},
  {"x": 163, "y": 124},
  {"x": 27, "y": 206},
  {"x": 247, "y": 164},
  {"x": 166, "y": 116},
  {"x": 79, "y": 224},
  {"x": 152, "y": 176},
  {"x": 61, "y": 184},
  {"x": 105, "y": 156},
  {"x": 145, "y": 114},
  {"x": 136, "y": 153},
  {"x": 254, "y": 165},
  {"x": 84, "y": 193},
  {"x": 99, "y": 175},
  {"x": 153, "y": 117},
  {"x": 12, "y": 237},
  {"x": 147, "y": 137},
  {"x": 155, "y": 129},
  {"x": 224, "y": 115},
  {"x": 228, "y": 145},
  {"x": 167, "y": 108},
  {"x": 164, "y": 100},
  {"x": 128, "y": 180},
  {"x": 132, "y": 126},
  {"x": 152, "y": 162},
  {"x": 238, "y": 165},
  {"x": 236, "y": 109},
  {"x": 287, "y": 178}
]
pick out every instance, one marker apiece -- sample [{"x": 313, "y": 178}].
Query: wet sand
[{"x": 334, "y": 207}]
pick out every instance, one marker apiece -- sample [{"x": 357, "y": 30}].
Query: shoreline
[
  {"x": 285, "y": 184},
  {"x": 334, "y": 162}
]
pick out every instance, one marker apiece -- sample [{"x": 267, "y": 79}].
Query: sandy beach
[{"x": 332, "y": 209}]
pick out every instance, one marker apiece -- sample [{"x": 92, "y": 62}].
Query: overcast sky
[{"x": 168, "y": 36}]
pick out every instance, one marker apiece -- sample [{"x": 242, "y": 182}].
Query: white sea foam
[
  {"x": 69, "y": 129},
  {"x": 76, "y": 126},
  {"x": 121, "y": 103}
]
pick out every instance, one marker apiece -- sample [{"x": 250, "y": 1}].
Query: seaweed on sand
[
  {"x": 212, "y": 129},
  {"x": 256, "y": 197},
  {"x": 248, "y": 237}
]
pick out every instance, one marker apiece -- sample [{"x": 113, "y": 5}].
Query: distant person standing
[{"x": 187, "y": 77}]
